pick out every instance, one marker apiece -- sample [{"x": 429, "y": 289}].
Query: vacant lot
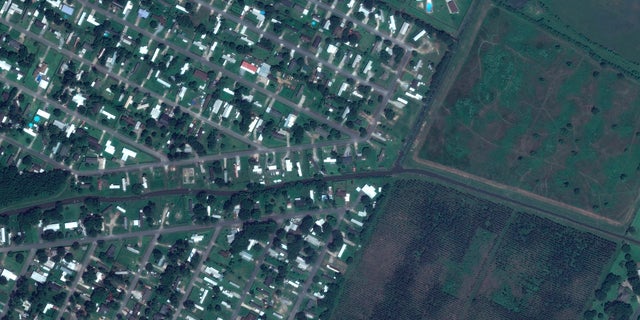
[
  {"x": 528, "y": 111},
  {"x": 442, "y": 254}
]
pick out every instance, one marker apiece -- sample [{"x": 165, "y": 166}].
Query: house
[
  {"x": 111, "y": 251},
  {"x": 94, "y": 144},
  {"x": 67, "y": 10},
  {"x": 248, "y": 67},
  {"x": 452, "y": 6},
  {"x": 264, "y": 70},
  {"x": 91, "y": 160},
  {"x": 142, "y": 13},
  {"x": 200, "y": 75}
]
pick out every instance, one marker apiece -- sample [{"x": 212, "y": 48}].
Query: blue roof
[
  {"x": 143, "y": 13},
  {"x": 67, "y": 10}
]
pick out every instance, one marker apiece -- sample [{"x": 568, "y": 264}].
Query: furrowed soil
[{"x": 437, "y": 253}]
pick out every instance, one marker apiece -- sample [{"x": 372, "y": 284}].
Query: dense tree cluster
[
  {"x": 257, "y": 230},
  {"x": 18, "y": 186}
]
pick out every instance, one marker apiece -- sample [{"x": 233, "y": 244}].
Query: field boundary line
[
  {"x": 458, "y": 60},
  {"x": 503, "y": 187}
]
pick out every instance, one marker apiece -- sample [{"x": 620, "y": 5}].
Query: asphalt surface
[
  {"x": 71, "y": 55},
  {"x": 196, "y": 273},
  {"x": 234, "y": 76},
  {"x": 75, "y": 114},
  {"x": 430, "y": 173},
  {"x": 165, "y": 230},
  {"x": 74, "y": 284},
  {"x": 304, "y": 52},
  {"x": 364, "y": 26},
  {"x": 252, "y": 278}
]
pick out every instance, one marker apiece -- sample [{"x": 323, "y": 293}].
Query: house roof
[
  {"x": 249, "y": 67},
  {"x": 143, "y": 13},
  {"x": 200, "y": 75},
  {"x": 66, "y": 9}
]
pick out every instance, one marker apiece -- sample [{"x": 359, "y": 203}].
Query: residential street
[
  {"x": 125, "y": 80},
  {"x": 74, "y": 284},
  {"x": 234, "y": 76},
  {"x": 171, "y": 229},
  {"x": 196, "y": 273},
  {"x": 306, "y": 53}
]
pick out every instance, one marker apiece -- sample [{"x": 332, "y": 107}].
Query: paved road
[
  {"x": 468, "y": 32},
  {"x": 35, "y": 153},
  {"x": 152, "y": 232},
  {"x": 234, "y": 76},
  {"x": 23, "y": 273},
  {"x": 306, "y": 53},
  {"x": 252, "y": 278},
  {"x": 364, "y": 26},
  {"x": 74, "y": 284},
  {"x": 213, "y": 157},
  {"x": 196, "y": 273},
  {"x": 136, "y": 277},
  {"x": 385, "y": 99},
  {"x": 71, "y": 55},
  {"x": 75, "y": 114},
  {"x": 302, "y": 294}
]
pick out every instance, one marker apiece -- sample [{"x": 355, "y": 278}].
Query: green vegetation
[
  {"x": 573, "y": 20},
  {"x": 528, "y": 111},
  {"x": 17, "y": 186},
  {"x": 441, "y": 253}
]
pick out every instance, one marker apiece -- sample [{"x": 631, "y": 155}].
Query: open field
[
  {"x": 609, "y": 38},
  {"x": 530, "y": 112},
  {"x": 443, "y": 254}
]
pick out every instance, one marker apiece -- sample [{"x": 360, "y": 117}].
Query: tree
[
  {"x": 618, "y": 310},
  {"x": 19, "y": 257},
  {"x": 27, "y": 160},
  {"x": 93, "y": 224},
  {"x": 99, "y": 295},
  {"x": 137, "y": 188},
  {"x": 42, "y": 256},
  {"x": 89, "y": 275},
  {"x": 157, "y": 254},
  {"x": 3, "y": 281},
  {"x": 189, "y": 304}
]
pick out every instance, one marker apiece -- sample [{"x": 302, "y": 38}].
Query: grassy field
[
  {"x": 574, "y": 19},
  {"x": 440, "y": 18},
  {"x": 443, "y": 254},
  {"x": 529, "y": 111}
]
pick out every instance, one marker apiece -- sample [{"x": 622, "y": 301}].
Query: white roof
[
  {"x": 155, "y": 112},
  {"x": 38, "y": 277},
  {"x": 126, "y": 153},
  {"x": 78, "y": 99},
  {"x": 43, "y": 114},
  {"x": 43, "y": 84},
  {"x": 4, "y": 65},
  {"x": 53, "y": 226},
  {"x": 290, "y": 121},
  {"x": 9, "y": 275},
  {"x": 197, "y": 238},
  {"x": 369, "y": 191},
  {"x": 70, "y": 225}
]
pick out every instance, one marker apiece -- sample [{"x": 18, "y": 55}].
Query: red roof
[{"x": 249, "y": 67}]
